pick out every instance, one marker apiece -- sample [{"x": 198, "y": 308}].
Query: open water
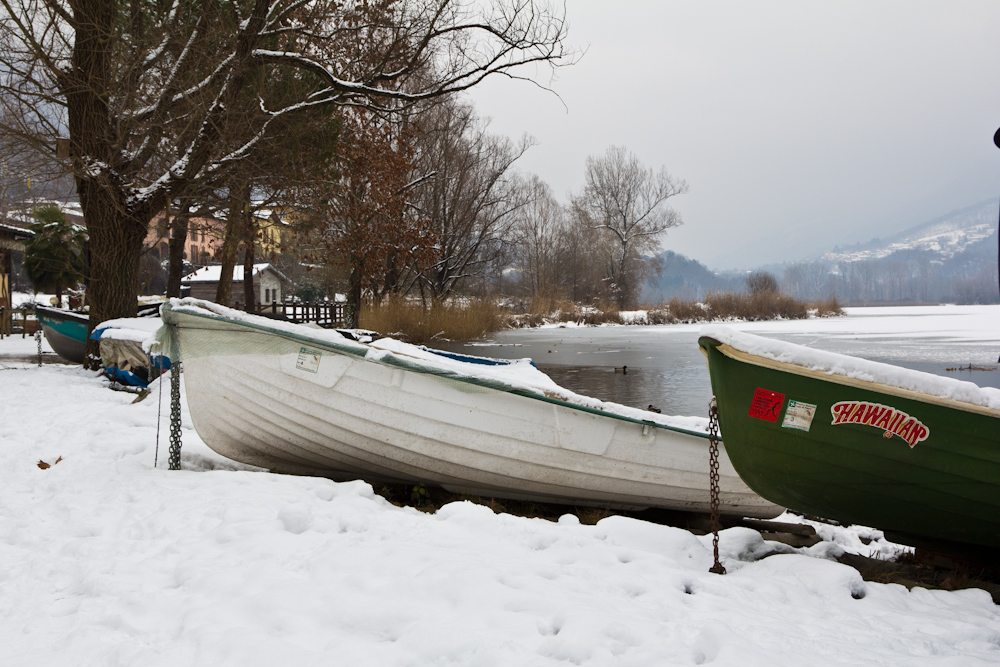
[{"x": 667, "y": 370}]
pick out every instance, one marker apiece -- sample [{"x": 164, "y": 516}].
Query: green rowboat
[{"x": 914, "y": 454}]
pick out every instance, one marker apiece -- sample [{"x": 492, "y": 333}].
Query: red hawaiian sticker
[
  {"x": 887, "y": 419},
  {"x": 766, "y": 405}
]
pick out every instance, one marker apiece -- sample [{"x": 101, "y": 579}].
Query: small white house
[{"x": 268, "y": 283}]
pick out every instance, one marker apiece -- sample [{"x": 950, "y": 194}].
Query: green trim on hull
[
  {"x": 942, "y": 492},
  {"x": 169, "y": 317},
  {"x": 65, "y": 331}
]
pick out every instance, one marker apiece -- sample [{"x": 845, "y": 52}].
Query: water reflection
[
  {"x": 666, "y": 368},
  {"x": 680, "y": 391}
]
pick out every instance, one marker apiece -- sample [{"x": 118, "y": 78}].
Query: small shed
[{"x": 268, "y": 283}]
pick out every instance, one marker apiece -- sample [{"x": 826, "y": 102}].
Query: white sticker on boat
[
  {"x": 308, "y": 360},
  {"x": 883, "y": 417},
  {"x": 799, "y": 415}
]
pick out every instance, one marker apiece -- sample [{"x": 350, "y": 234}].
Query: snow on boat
[
  {"x": 66, "y": 330},
  {"x": 301, "y": 400},
  {"x": 123, "y": 356},
  {"x": 912, "y": 453}
]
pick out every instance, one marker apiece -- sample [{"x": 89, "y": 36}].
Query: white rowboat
[{"x": 300, "y": 400}]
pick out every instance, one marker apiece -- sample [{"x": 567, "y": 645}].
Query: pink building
[{"x": 204, "y": 239}]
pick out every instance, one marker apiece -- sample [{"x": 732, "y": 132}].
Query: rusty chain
[
  {"x": 175, "y": 416},
  {"x": 713, "y": 478}
]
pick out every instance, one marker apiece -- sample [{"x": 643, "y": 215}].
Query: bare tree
[
  {"x": 473, "y": 197},
  {"x": 145, "y": 93},
  {"x": 761, "y": 282},
  {"x": 539, "y": 237},
  {"x": 627, "y": 201}
]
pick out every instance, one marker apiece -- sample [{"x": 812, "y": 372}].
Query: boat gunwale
[
  {"x": 61, "y": 315},
  {"x": 391, "y": 359},
  {"x": 837, "y": 378}
]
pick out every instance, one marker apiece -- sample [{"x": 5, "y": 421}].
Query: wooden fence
[
  {"x": 12, "y": 319},
  {"x": 327, "y": 314}
]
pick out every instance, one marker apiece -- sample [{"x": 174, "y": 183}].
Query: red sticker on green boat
[
  {"x": 766, "y": 405},
  {"x": 883, "y": 417}
]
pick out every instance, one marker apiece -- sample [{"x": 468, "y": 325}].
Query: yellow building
[{"x": 274, "y": 233}]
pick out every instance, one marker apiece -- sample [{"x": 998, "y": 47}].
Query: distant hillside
[
  {"x": 686, "y": 278},
  {"x": 942, "y": 237},
  {"x": 949, "y": 259}
]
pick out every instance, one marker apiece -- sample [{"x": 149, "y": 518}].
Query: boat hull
[
  {"x": 923, "y": 469},
  {"x": 65, "y": 331},
  {"x": 344, "y": 416}
]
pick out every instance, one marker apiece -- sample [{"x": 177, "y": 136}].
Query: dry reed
[
  {"x": 829, "y": 308},
  {"x": 729, "y": 306},
  {"x": 410, "y": 321}
]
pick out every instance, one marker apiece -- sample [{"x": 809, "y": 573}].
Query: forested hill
[
  {"x": 686, "y": 278},
  {"x": 952, "y": 258}
]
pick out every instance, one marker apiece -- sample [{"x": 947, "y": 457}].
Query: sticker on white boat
[
  {"x": 799, "y": 415},
  {"x": 883, "y": 417},
  {"x": 308, "y": 360}
]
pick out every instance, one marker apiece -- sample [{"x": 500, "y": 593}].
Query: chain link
[
  {"x": 38, "y": 340},
  {"x": 175, "y": 416},
  {"x": 713, "y": 478}
]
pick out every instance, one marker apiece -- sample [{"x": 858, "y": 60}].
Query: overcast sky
[{"x": 798, "y": 125}]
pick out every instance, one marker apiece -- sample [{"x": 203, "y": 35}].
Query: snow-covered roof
[
  {"x": 213, "y": 272},
  {"x": 17, "y": 231}
]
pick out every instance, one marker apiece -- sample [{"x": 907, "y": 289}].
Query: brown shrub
[
  {"x": 546, "y": 311},
  {"x": 755, "y": 307},
  {"x": 603, "y": 314},
  {"x": 829, "y": 308},
  {"x": 660, "y": 315},
  {"x": 763, "y": 305},
  {"x": 410, "y": 321},
  {"x": 773, "y": 305},
  {"x": 726, "y": 305},
  {"x": 687, "y": 311}
]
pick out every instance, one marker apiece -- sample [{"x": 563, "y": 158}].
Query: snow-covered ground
[
  {"x": 108, "y": 560},
  {"x": 20, "y": 345}
]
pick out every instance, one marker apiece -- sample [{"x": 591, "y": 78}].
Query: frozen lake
[{"x": 667, "y": 370}]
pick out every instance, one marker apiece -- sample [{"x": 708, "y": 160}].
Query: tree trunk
[
  {"x": 230, "y": 245},
  {"x": 116, "y": 232},
  {"x": 116, "y": 245},
  {"x": 352, "y": 309},
  {"x": 178, "y": 237},
  {"x": 249, "y": 293}
]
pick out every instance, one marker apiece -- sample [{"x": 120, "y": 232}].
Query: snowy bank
[{"x": 110, "y": 561}]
